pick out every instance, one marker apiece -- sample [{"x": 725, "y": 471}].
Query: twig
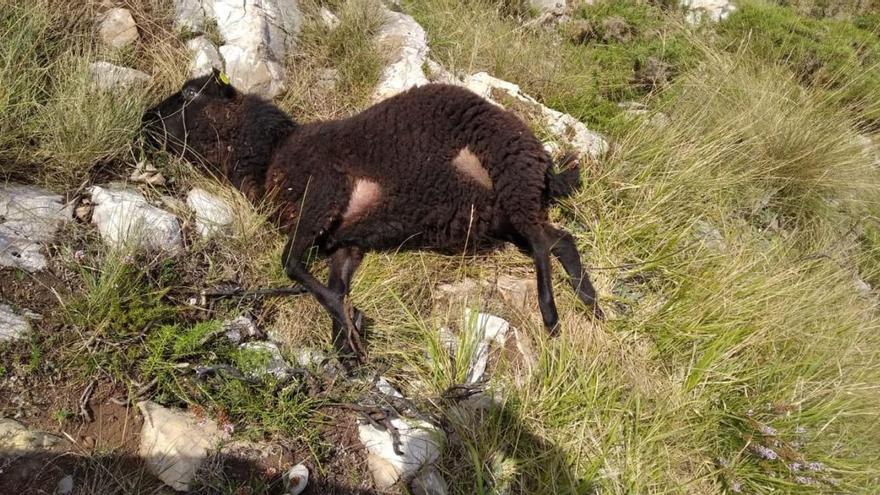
[
  {"x": 84, "y": 401},
  {"x": 267, "y": 292}
]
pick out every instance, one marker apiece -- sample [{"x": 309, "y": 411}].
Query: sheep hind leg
[
  {"x": 565, "y": 250},
  {"x": 539, "y": 245},
  {"x": 343, "y": 263},
  {"x": 332, "y": 301}
]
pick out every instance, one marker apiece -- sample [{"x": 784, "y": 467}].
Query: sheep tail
[{"x": 563, "y": 184}]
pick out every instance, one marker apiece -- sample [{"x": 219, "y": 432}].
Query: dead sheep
[{"x": 436, "y": 167}]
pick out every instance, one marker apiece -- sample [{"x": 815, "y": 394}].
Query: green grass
[
  {"x": 835, "y": 54},
  {"x": 587, "y": 76}
]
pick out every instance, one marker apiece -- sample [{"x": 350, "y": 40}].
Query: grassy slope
[{"x": 733, "y": 304}]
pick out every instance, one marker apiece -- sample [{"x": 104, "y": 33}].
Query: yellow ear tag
[{"x": 224, "y": 78}]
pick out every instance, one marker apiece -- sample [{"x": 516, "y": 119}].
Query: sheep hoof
[
  {"x": 598, "y": 314},
  {"x": 354, "y": 320}
]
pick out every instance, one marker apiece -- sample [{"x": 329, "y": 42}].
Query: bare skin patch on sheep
[{"x": 410, "y": 172}]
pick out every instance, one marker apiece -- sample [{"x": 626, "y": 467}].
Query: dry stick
[
  {"x": 278, "y": 291},
  {"x": 84, "y": 401}
]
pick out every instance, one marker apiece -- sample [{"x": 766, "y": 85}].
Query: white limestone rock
[
  {"x": 257, "y": 35},
  {"x": 711, "y": 10},
  {"x": 16, "y": 438},
  {"x": 213, "y": 214},
  {"x": 251, "y": 72},
  {"x": 406, "y": 44},
  {"x": 29, "y": 217},
  {"x": 13, "y": 325},
  {"x": 117, "y": 28},
  {"x": 204, "y": 57},
  {"x": 483, "y": 330},
  {"x": 564, "y": 126},
  {"x": 429, "y": 482},
  {"x": 124, "y": 218},
  {"x": 106, "y": 76},
  {"x": 328, "y": 18},
  {"x": 296, "y": 479},
  {"x": 420, "y": 443},
  {"x": 549, "y": 5},
  {"x": 174, "y": 444},
  {"x": 386, "y": 388},
  {"x": 241, "y": 328}
]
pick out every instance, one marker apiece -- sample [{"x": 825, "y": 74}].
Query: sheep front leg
[
  {"x": 330, "y": 299},
  {"x": 343, "y": 263}
]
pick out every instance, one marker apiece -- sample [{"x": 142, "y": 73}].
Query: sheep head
[{"x": 197, "y": 121}]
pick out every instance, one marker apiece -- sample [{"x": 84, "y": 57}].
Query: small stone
[
  {"x": 13, "y": 325},
  {"x": 106, "y": 76},
  {"x": 269, "y": 360},
  {"x": 146, "y": 173},
  {"x": 490, "y": 328},
  {"x": 175, "y": 444},
  {"x": 83, "y": 211},
  {"x": 709, "y": 235},
  {"x": 328, "y": 18},
  {"x": 308, "y": 356},
  {"x": 117, "y": 28},
  {"x": 296, "y": 479},
  {"x": 16, "y": 438},
  {"x": 65, "y": 485},
  {"x": 420, "y": 443},
  {"x": 386, "y": 388},
  {"x": 429, "y": 482},
  {"x": 241, "y": 328},
  {"x": 515, "y": 290},
  {"x": 213, "y": 214}
]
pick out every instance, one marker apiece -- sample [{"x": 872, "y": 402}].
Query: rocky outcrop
[
  {"x": 566, "y": 128},
  {"x": 407, "y": 45},
  {"x": 29, "y": 217},
  {"x": 204, "y": 57},
  {"x": 125, "y": 218},
  {"x": 174, "y": 444},
  {"x": 257, "y": 35}
]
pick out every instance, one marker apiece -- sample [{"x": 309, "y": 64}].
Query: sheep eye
[{"x": 189, "y": 94}]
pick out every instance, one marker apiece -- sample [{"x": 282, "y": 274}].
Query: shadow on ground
[{"x": 116, "y": 474}]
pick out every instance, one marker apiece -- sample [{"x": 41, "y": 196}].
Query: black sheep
[{"x": 436, "y": 167}]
